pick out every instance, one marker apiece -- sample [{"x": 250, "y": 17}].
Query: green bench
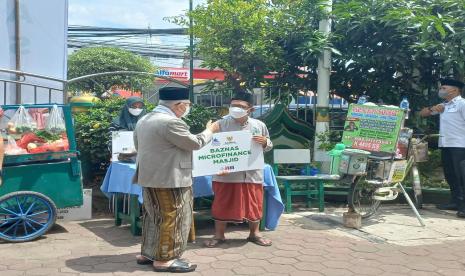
[{"x": 313, "y": 185}]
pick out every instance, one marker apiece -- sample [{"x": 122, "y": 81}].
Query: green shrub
[
  {"x": 431, "y": 172},
  {"x": 199, "y": 116},
  {"x": 92, "y": 133}
]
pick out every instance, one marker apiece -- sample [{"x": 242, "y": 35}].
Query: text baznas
[{"x": 225, "y": 155}]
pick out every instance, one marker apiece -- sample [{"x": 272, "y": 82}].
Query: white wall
[{"x": 43, "y": 28}]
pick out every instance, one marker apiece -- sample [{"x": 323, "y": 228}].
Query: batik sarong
[{"x": 167, "y": 219}]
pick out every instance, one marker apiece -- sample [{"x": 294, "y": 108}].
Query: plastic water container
[
  {"x": 362, "y": 99},
  {"x": 312, "y": 171},
  {"x": 353, "y": 162},
  {"x": 336, "y": 154},
  {"x": 405, "y": 105}
]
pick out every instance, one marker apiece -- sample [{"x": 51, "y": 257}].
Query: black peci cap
[
  {"x": 452, "y": 82},
  {"x": 243, "y": 96},
  {"x": 174, "y": 93}
]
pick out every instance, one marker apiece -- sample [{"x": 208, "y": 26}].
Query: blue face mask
[{"x": 442, "y": 93}]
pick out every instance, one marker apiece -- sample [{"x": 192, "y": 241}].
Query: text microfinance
[{"x": 225, "y": 155}]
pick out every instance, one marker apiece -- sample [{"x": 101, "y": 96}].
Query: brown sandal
[
  {"x": 259, "y": 241},
  {"x": 211, "y": 243}
]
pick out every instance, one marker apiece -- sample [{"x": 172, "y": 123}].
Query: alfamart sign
[
  {"x": 228, "y": 151},
  {"x": 175, "y": 73}
]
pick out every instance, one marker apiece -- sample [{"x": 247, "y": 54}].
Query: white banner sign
[
  {"x": 228, "y": 151},
  {"x": 121, "y": 141}
]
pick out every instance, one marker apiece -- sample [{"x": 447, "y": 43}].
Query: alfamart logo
[
  {"x": 216, "y": 142},
  {"x": 173, "y": 73}
]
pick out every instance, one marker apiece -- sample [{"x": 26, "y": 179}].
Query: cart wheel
[
  {"x": 360, "y": 197},
  {"x": 25, "y": 216}
]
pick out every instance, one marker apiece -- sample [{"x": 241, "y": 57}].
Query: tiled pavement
[{"x": 305, "y": 244}]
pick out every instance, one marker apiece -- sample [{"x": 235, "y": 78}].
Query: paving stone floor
[{"x": 306, "y": 243}]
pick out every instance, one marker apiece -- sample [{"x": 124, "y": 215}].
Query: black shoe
[
  {"x": 448, "y": 206},
  {"x": 141, "y": 260},
  {"x": 461, "y": 214},
  {"x": 178, "y": 266}
]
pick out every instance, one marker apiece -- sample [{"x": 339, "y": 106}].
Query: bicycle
[{"x": 383, "y": 182}]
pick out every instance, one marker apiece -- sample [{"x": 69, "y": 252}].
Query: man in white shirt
[{"x": 452, "y": 140}]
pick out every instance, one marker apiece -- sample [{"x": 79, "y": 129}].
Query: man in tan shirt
[
  {"x": 164, "y": 169},
  {"x": 239, "y": 195}
]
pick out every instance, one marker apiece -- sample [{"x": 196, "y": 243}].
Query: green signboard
[{"x": 372, "y": 128}]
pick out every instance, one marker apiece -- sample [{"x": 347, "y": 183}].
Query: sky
[
  {"x": 126, "y": 13},
  {"x": 131, "y": 14}
]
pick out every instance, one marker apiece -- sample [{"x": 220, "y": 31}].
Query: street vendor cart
[
  {"x": 43, "y": 174},
  {"x": 379, "y": 154}
]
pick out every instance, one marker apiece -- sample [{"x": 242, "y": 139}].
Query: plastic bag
[
  {"x": 55, "y": 122},
  {"x": 39, "y": 115},
  {"x": 21, "y": 122},
  {"x": 12, "y": 148}
]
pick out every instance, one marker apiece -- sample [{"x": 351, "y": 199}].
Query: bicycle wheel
[
  {"x": 361, "y": 199},
  {"x": 25, "y": 216}
]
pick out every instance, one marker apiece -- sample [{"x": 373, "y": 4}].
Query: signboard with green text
[
  {"x": 372, "y": 128},
  {"x": 232, "y": 151}
]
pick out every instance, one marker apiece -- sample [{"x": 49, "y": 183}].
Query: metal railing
[
  {"x": 32, "y": 88},
  {"x": 300, "y": 106},
  {"x": 21, "y": 79},
  {"x": 12, "y": 81}
]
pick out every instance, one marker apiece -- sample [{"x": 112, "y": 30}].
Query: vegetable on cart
[{"x": 41, "y": 172}]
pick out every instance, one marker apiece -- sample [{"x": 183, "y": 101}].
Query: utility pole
[
  {"x": 324, "y": 71},
  {"x": 17, "y": 51},
  {"x": 191, "y": 54}
]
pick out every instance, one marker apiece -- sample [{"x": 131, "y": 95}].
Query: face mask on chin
[
  {"x": 442, "y": 93},
  {"x": 237, "y": 112},
  {"x": 186, "y": 112},
  {"x": 135, "y": 111}
]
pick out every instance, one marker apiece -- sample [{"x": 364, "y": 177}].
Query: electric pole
[
  {"x": 191, "y": 54},
  {"x": 324, "y": 71}
]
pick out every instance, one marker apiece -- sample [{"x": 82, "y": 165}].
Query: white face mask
[
  {"x": 135, "y": 111},
  {"x": 237, "y": 112},
  {"x": 442, "y": 93},
  {"x": 188, "y": 109}
]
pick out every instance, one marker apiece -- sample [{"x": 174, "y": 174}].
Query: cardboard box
[{"x": 79, "y": 212}]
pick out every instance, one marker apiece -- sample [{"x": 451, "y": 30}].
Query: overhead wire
[{"x": 88, "y": 36}]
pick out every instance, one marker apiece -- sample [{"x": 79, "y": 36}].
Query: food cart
[
  {"x": 378, "y": 155},
  {"x": 42, "y": 173}
]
